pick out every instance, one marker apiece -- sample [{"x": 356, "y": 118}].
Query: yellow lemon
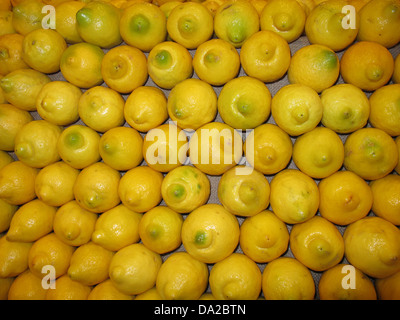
[
  {"x": 210, "y": 233},
  {"x": 182, "y": 277},
  {"x": 358, "y": 4},
  {"x": 215, "y": 147},
  {"x": 345, "y": 108},
  {"x": 237, "y": 277},
  {"x": 296, "y": 108},
  {"x": 385, "y": 112},
  {"x": 21, "y": 87},
  {"x": 286, "y": 18},
  {"x": 17, "y": 183},
  {"x": 73, "y": 224},
  {"x": 96, "y": 187},
  {"x": 12, "y": 120},
  {"x": 98, "y": 23},
  {"x": 372, "y": 245},
  {"x": 317, "y": 243},
  {"x": 151, "y": 294},
  {"x": 66, "y": 24},
  {"x": 286, "y": 278},
  {"x": 5, "y": 284},
  {"x": 57, "y": 102},
  {"x": 11, "y": 53},
  {"x": 344, "y": 197},
  {"x": 160, "y": 229},
  {"x": 13, "y": 257},
  {"x": 325, "y": 25},
  {"x": 68, "y": 289},
  {"x": 7, "y": 212},
  {"x": 388, "y": 288},
  {"x": 235, "y": 21},
  {"x": 216, "y": 61},
  {"x": 42, "y": 50},
  {"x": 6, "y": 5},
  {"x": 379, "y": 21},
  {"x": 268, "y": 148},
  {"x": 27, "y": 16},
  {"x": 32, "y": 221},
  {"x": 168, "y": 63},
  {"x": 396, "y": 72},
  {"x": 265, "y": 56},
  {"x": 367, "y": 147},
  {"x": 367, "y": 65},
  {"x": 294, "y": 196},
  {"x": 244, "y": 103},
  {"x": 27, "y": 286},
  {"x": 185, "y": 188},
  {"x": 259, "y": 5},
  {"x": 140, "y": 188},
  {"x": 307, "y": 5},
  {"x": 330, "y": 285},
  {"x": 143, "y": 25},
  {"x": 89, "y": 264},
  {"x": 107, "y": 291},
  {"x": 124, "y": 68},
  {"x": 5, "y": 158},
  {"x": 316, "y": 66},
  {"x": 81, "y": 65},
  {"x": 6, "y": 16},
  {"x": 263, "y": 237},
  {"x": 386, "y": 197},
  {"x": 190, "y": 24},
  {"x": 192, "y": 103},
  {"x": 134, "y": 268},
  {"x": 146, "y": 108},
  {"x": 78, "y": 146},
  {"x": 243, "y": 193},
  {"x": 168, "y": 6},
  {"x": 397, "y": 168}
]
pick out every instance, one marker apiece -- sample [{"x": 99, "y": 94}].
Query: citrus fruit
[
  {"x": 388, "y": 288},
  {"x": 396, "y": 72},
  {"x": 397, "y": 168},
  {"x": 26, "y": 286},
  {"x": 151, "y": 294},
  {"x": 27, "y": 16},
  {"x": 14, "y": 257},
  {"x": 107, "y": 291},
  {"x": 66, "y": 20},
  {"x": 68, "y": 289},
  {"x": 6, "y": 16},
  {"x": 6, "y": 214},
  {"x": 11, "y": 53}
]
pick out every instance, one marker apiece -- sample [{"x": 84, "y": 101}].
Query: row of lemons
[{"x": 86, "y": 188}]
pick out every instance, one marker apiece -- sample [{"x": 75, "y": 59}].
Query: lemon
[
  {"x": 49, "y": 250},
  {"x": 160, "y": 229},
  {"x": 6, "y": 16},
  {"x": 345, "y": 108},
  {"x": 210, "y": 233},
  {"x": 286, "y": 278},
  {"x": 17, "y": 183},
  {"x": 190, "y": 24},
  {"x": 367, "y": 65},
  {"x": 372, "y": 245},
  {"x": 143, "y": 25},
  {"x": 117, "y": 228},
  {"x": 388, "y": 288},
  {"x": 235, "y": 21},
  {"x": 5, "y": 284},
  {"x": 66, "y": 20},
  {"x": 27, "y": 16},
  {"x": 182, "y": 277},
  {"x": 5, "y": 158},
  {"x": 396, "y": 72},
  {"x": 68, "y": 289},
  {"x": 386, "y": 197},
  {"x": 192, "y": 103},
  {"x": 6, "y": 5},
  {"x": 243, "y": 194},
  {"x": 21, "y": 87},
  {"x": 140, "y": 188},
  {"x": 7, "y": 211},
  {"x": 259, "y": 5},
  {"x": 98, "y": 23},
  {"x": 36, "y": 143},
  {"x": 32, "y": 221},
  {"x": 168, "y": 6},
  {"x": 317, "y": 243},
  {"x": 379, "y": 21},
  {"x": 185, "y": 188},
  {"x": 78, "y": 146},
  {"x": 244, "y": 103},
  {"x": 296, "y": 108},
  {"x": 367, "y": 147},
  {"x": 286, "y": 18},
  {"x": 385, "y": 112},
  {"x": 42, "y": 50},
  {"x": 81, "y": 65},
  {"x": 294, "y": 196},
  {"x": 237, "y": 277},
  {"x": 397, "y": 141},
  {"x": 146, "y": 108},
  {"x": 11, "y": 53},
  {"x": 73, "y": 224},
  {"x": 344, "y": 197},
  {"x": 96, "y": 187},
  {"x": 168, "y": 63},
  {"x": 107, "y": 291},
  {"x": 12, "y": 120},
  {"x": 124, "y": 68},
  {"x": 151, "y": 294},
  {"x": 13, "y": 257},
  {"x": 216, "y": 61},
  {"x": 330, "y": 285},
  {"x": 57, "y": 102},
  {"x": 263, "y": 237},
  {"x": 26, "y": 286},
  {"x": 2, "y": 98},
  {"x": 268, "y": 148},
  {"x": 134, "y": 268}
]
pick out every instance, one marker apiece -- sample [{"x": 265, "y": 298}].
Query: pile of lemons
[{"x": 217, "y": 149}]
